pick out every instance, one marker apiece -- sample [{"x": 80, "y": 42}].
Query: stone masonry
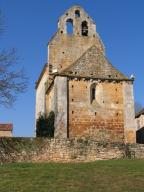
[
  {"x": 90, "y": 98},
  {"x": 14, "y": 150}
]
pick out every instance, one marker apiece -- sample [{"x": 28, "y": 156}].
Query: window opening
[
  {"x": 84, "y": 28},
  {"x": 93, "y": 92},
  {"x": 69, "y": 25},
  {"x": 77, "y": 13}
]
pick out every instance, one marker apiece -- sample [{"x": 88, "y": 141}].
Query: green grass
[{"x": 100, "y": 176}]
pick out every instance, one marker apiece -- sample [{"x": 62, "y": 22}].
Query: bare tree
[{"x": 12, "y": 81}]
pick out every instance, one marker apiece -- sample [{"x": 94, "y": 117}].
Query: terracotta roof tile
[{"x": 6, "y": 127}]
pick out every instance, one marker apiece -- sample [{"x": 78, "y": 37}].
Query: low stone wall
[
  {"x": 57, "y": 150},
  {"x": 135, "y": 151},
  {"x": 64, "y": 150}
]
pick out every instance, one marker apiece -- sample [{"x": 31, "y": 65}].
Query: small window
[
  {"x": 93, "y": 92},
  {"x": 77, "y": 13},
  {"x": 69, "y": 25},
  {"x": 84, "y": 27}
]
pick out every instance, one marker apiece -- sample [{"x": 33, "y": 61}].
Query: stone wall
[
  {"x": 64, "y": 150},
  {"x": 135, "y": 151},
  {"x": 55, "y": 150},
  {"x": 40, "y": 94},
  {"x": 50, "y": 100},
  {"x": 76, "y": 21},
  {"x": 60, "y": 106},
  {"x": 103, "y": 119},
  {"x": 129, "y": 113},
  {"x": 64, "y": 49}
]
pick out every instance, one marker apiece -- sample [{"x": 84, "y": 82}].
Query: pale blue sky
[{"x": 30, "y": 25}]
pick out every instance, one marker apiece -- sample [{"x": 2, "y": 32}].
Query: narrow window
[
  {"x": 69, "y": 25},
  {"x": 84, "y": 27},
  {"x": 93, "y": 92},
  {"x": 77, "y": 13}
]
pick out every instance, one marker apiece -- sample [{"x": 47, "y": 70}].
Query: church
[{"x": 89, "y": 96}]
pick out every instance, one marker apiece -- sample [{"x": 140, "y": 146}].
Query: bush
[{"x": 45, "y": 125}]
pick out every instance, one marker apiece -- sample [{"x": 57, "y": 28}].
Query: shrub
[{"x": 45, "y": 125}]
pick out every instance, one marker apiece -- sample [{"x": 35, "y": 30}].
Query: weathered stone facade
[
  {"x": 40, "y": 93},
  {"x": 90, "y": 98},
  {"x": 65, "y": 150},
  {"x": 103, "y": 118},
  {"x": 57, "y": 150}
]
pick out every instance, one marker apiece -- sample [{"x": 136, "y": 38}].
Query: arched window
[
  {"x": 77, "y": 13},
  {"x": 93, "y": 92},
  {"x": 84, "y": 27},
  {"x": 69, "y": 25}
]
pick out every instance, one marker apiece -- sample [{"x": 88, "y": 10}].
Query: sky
[{"x": 29, "y": 25}]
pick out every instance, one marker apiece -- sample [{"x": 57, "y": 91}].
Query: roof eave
[
  {"x": 95, "y": 78},
  {"x": 139, "y": 113},
  {"x": 40, "y": 77}
]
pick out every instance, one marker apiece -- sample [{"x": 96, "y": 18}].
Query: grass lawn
[{"x": 104, "y": 176}]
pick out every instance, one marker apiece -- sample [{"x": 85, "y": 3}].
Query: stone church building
[{"x": 89, "y": 96}]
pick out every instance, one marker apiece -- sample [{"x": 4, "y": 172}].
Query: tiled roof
[
  {"x": 6, "y": 127},
  {"x": 93, "y": 64},
  {"x": 140, "y": 113}
]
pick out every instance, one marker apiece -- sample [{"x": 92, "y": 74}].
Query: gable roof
[
  {"x": 139, "y": 113},
  {"x": 93, "y": 64}
]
